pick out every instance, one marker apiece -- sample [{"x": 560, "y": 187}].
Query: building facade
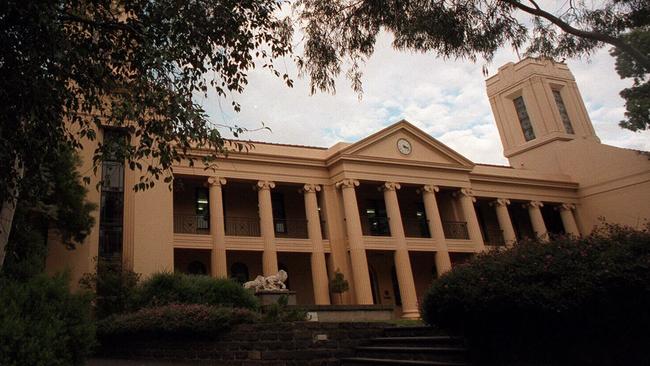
[{"x": 391, "y": 211}]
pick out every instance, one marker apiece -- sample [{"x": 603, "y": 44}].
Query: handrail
[
  {"x": 455, "y": 230},
  {"x": 191, "y": 224}
]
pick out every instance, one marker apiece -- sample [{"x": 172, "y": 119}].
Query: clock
[{"x": 404, "y": 146}]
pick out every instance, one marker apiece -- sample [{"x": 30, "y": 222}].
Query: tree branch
[
  {"x": 67, "y": 17},
  {"x": 601, "y": 37}
]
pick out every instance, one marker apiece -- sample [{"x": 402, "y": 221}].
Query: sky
[{"x": 445, "y": 98}]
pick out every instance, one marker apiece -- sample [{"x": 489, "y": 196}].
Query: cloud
[{"x": 445, "y": 98}]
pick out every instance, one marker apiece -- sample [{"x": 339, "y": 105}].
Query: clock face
[{"x": 404, "y": 146}]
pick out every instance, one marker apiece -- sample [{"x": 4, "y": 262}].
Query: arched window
[
  {"x": 196, "y": 268},
  {"x": 239, "y": 272}
]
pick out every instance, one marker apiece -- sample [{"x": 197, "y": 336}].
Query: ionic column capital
[
  {"x": 216, "y": 181},
  {"x": 347, "y": 183},
  {"x": 500, "y": 202},
  {"x": 534, "y": 204},
  {"x": 389, "y": 186},
  {"x": 265, "y": 185},
  {"x": 430, "y": 188},
  {"x": 566, "y": 207},
  {"x": 311, "y": 188},
  {"x": 465, "y": 192}
]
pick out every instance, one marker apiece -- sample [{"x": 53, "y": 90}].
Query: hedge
[
  {"x": 571, "y": 301},
  {"x": 42, "y": 323},
  {"x": 175, "y": 320},
  {"x": 176, "y": 288}
]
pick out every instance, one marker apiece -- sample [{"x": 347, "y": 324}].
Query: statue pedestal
[{"x": 272, "y": 297}]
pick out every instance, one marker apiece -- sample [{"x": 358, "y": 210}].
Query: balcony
[
  {"x": 242, "y": 226},
  {"x": 375, "y": 226},
  {"x": 191, "y": 224},
  {"x": 455, "y": 230},
  {"x": 290, "y": 228},
  {"x": 416, "y": 227},
  {"x": 494, "y": 237}
]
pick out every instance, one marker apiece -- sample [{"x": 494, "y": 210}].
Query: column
[
  {"x": 318, "y": 266},
  {"x": 270, "y": 256},
  {"x": 568, "y": 220},
  {"x": 443, "y": 262},
  {"x": 467, "y": 203},
  {"x": 537, "y": 220},
  {"x": 505, "y": 224},
  {"x": 218, "y": 265},
  {"x": 360, "y": 273},
  {"x": 402, "y": 260}
]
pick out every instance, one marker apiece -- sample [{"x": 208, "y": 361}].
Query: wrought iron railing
[
  {"x": 494, "y": 237},
  {"x": 375, "y": 226},
  {"x": 242, "y": 226},
  {"x": 191, "y": 224},
  {"x": 290, "y": 228},
  {"x": 416, "y": 227},
  {"x": 455, "y": 229}
]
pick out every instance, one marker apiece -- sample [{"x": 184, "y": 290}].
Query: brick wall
[{"x": 300, "y": 343}]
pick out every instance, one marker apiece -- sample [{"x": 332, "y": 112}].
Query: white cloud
[{"x": 445, "y": 98}]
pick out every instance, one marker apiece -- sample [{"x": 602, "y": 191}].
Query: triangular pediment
[{"x": 383, "y": 145}]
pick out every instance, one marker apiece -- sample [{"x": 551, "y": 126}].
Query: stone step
[
  {"x": 362, "y": 361},
  {"x": 411, "y": 331},
  {"x": 440, "y": 354},
  {"x": 418, "y": 341}
]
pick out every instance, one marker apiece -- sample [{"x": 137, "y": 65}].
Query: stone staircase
[{"x": 414, "y": 346}]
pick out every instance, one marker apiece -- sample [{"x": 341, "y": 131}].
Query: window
[
  {"x": 111, "y": 209},
  {"x": 202, "y": 208},
  {"x": 377, "y": 218},
  {"x": 524, "y": 120},
  {"x": 239, "y": 272},
  {"x": 279, "y": 215},
  {"x": 563, "y": 113}
]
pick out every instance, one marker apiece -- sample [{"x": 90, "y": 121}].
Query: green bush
[
  {"x": 570, "y": 301},
  {"x": 113, "y": 286},
  {"x": 176, "y": 288},
  {"x": 175, "y": 320},
  {"x": 42, "y": 323}
]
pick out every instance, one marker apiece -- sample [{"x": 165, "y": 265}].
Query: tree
[
  {"x": 344, "y": 32},
  {"x": 339, "y": 284},
  {"x": 70, "y": 67},
  {"x": 55, "y": 201}
]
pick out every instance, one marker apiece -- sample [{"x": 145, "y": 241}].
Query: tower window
[
  {"x": 563, "y": 113},
  {"x": 524, "y": 120}
]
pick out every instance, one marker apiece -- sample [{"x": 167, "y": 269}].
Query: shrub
[
  {"x": 282, "y": 312},
  {"x": 113, "y": 285},
  {"x": 176, "y": 288},
  {"x": 175, "y": 320},
  {"x": 570, "y": 301},
  {"x": 42, "y": 323}
]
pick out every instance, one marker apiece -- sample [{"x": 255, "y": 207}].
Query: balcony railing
[
  {"x": 191, "y": 224},
  {"x": 455, "y": 229},
  {"x": 494, "y": 237},
  {"x": 290, "y": 228},
  {"x": 242, "y": 226},
  {"x": 416, "y": 227},
  {"x": 375, "y": 226}
]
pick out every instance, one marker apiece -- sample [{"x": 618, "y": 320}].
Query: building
[{"x": 391, "y": 211}]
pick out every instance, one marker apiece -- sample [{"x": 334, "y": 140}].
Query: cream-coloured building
[{"x": 391, "y": 211}]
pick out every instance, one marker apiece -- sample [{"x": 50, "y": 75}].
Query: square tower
[{"x": 536, "y": 102}]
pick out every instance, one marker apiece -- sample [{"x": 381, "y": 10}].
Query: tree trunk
[{"x": 8, "y": 211}]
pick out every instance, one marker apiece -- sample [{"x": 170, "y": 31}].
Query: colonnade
[{"x": 357, "y": 250}]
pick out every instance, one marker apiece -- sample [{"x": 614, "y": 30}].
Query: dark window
[
  {"x": 279, "y": 215},
  {"x": 202, "y": 209},
  {"x": 377, "y": 218},
  {"x": 398, "y": 296},
  {"x": 421, "y": 216},
  {"x": 111, "y": 215},
  {"x": 196, "y": 268},
  {"x": 563, "y": 113},
  {"x": 524, "y": 120}
]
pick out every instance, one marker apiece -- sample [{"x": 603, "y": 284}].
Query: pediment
[{"x": 424, "y": 148}]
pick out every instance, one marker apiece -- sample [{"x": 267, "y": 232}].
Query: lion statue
[{"x": 271, "y": 283}]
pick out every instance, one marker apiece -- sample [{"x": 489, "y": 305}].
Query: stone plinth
[{"x": 272, "y": 297}]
